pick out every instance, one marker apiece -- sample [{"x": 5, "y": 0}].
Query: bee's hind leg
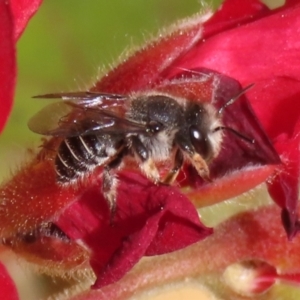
[{"x": 110, "y": 181}]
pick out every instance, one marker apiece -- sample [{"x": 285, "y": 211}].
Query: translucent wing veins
[{"x": 83, "y": 113}]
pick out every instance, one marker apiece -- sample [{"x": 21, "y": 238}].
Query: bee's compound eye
[
  {"x": 154, "y": 126},
  {"x": 199, "y": 141}
]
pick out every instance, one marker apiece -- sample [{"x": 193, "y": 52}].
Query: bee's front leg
[
  {"x": 178, "y": 162},
  {"x": 147, "y": 164},
  {"x": 194, "y": 158}
]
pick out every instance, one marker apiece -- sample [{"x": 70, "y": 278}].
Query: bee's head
[{"x": 203, "y": 122}]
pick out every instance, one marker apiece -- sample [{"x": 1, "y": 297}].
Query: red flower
[
  {"x": 256, "y": 45},
  {"x": 203, "y": 59}
]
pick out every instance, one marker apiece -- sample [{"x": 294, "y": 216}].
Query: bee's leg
[
  {"x": 147, "y": 165},
  {"x": 195, "y": 158},
  {"x": 178, "y": 162},
  {"x": 110, "y": 182},
  {"x": 200, "y": 165}
]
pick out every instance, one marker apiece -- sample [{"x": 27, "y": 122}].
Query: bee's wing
[
  {"x": 81, "y": 116},
  {"x": 87, "y": 98}
]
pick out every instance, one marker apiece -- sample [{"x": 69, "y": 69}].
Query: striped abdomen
[{"x": 76, "y": 155}]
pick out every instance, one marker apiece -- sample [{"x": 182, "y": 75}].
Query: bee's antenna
[
  {"x": 232, "y": 100},
  {"x": 243, "y": 137}
]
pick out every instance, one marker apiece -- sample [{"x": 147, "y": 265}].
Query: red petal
[
  {"x": 231, "y": 185},
  {"x": 234, "y": 13},
  {"x": 8, "y": 290},
  {"x": 149, "y": 220},
  {"x": 22, "y": 11},
  {"x": 275, "y": 102},
  {"x": 284, "y": 187},
  {"x": 252, "y": 52},
  {"x": 7, "y": 62},
  {"x": 14, "y": 16}
]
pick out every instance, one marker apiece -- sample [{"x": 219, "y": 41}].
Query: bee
[{"x": 101, "y": 129}]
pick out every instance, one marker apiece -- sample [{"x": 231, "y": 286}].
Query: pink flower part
[
  {"x": 286, "y": 184},
  {"x": 22, "y": 11},
  {"x": 149, "y": 220},
  {"x": 250, "y": 277},
  {"x": 7, "y": 62},
  {"x": 8, "y": 290},
  {"x": 293, "y": 278},
  {"x": 14, "y": 16}
]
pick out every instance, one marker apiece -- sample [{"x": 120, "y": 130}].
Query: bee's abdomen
[{"x": 76, "y": 155}]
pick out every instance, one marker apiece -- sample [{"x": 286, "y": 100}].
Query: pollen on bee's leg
[{"x": 148, "y": 167}]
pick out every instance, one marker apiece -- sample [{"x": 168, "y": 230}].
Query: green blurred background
[{"x": 65, "y": 46}]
